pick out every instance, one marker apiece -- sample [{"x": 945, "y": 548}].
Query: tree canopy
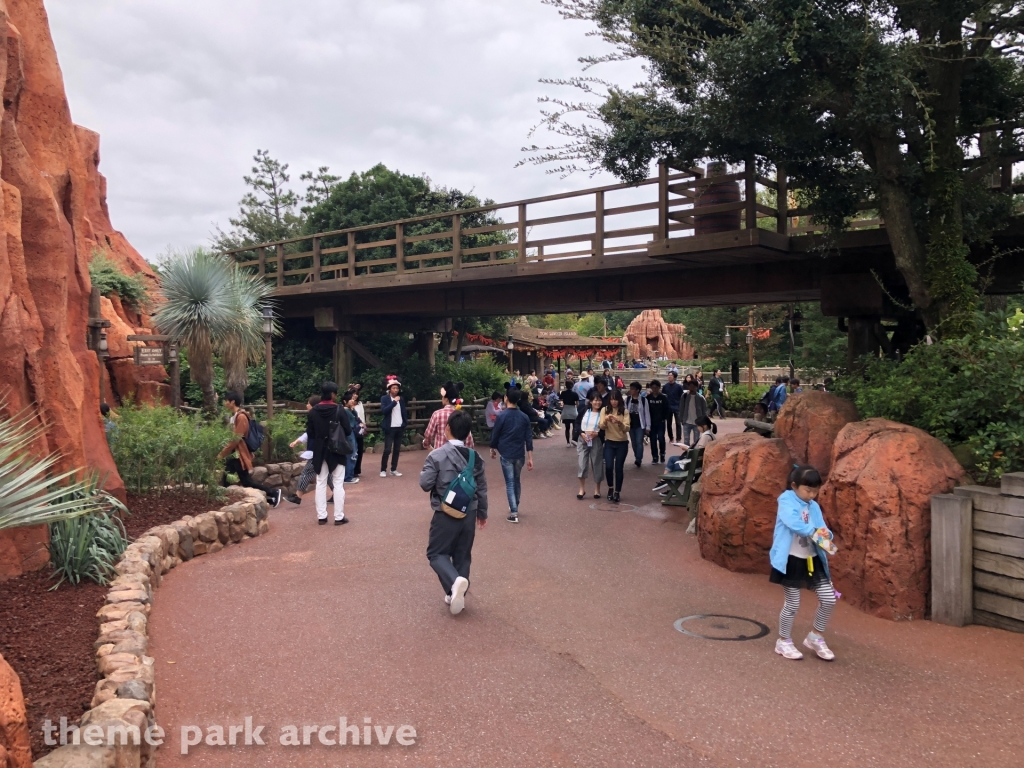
[{"x": 879, "y": 100}]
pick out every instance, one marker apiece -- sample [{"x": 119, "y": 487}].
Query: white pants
[{"x": 320, "y": 496}]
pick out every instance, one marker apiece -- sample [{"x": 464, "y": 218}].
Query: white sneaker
[
  {"x": 447, "y": 599},
  {"x": 383, "y": 474},
  {"x": 458, "y": 596},
  {"x": 787, "y": 649},
  {"x": 816, "y": 643},
  {"x": 395, "y": 473}
]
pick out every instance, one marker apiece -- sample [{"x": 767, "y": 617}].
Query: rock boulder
[
  {"x": 650, "y": 336},
  {"x": 14, "y": 735},
  {"x": 809, "y": 423},
  {"x": 877, "y": 501},
  {"x": 23, "y": 550},
  {"x": 742, "y": 480}
]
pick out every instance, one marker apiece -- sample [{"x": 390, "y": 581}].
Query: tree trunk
[
  {"x": 236, "y": 371},
  {"x": 200, "y": 360}
]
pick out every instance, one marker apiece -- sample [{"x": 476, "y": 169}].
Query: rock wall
[
  {"x": 650, "y": 336},
  {"x": 877, "y": 501},
  {"x": 54, "y": 216},
  {"x": 15, "y": 746},
  {"x": 809, "y": 423}
]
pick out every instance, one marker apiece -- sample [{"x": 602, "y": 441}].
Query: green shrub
[
  {"x": 740, "y": 399},
  {"x": 481, "y": 377},
  {"x": 966, "y": 391},
  {"x": 86, "y": 547},
  {"x": 159, "y": 447},
  {"x": 106, "y": 276},
  {"x": 281, "y": 430}
]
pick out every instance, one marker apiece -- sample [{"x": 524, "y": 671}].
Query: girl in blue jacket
[{"x": 798, "y": 558}]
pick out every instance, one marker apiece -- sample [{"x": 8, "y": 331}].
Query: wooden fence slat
[
  {"x": 999, "y": 605},
  {"x": 999, "y": 564},
  {"x": 1001, "y": 585},
  {"x": 999, "y": 622},
  {"x": 952, "y": 581},
  {"x": 1008, "y": 525},
  {"x": 1001, "y": 545}
]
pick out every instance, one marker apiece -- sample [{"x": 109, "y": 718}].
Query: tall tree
[
  {"x": 267, "y": 212},
  {"x": 880, "y": 99}
]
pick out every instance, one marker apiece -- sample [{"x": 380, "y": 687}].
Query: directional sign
[{"x": 149, "y": 356}]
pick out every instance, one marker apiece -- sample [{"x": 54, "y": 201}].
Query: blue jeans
[
  {"x": 350, "y": 463},
  {"x": 690, "y": 434},
  {"x": 636, "y": 435},
  {"x": 513, "y": 488}
]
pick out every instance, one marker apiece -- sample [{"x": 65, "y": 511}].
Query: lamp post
[
  {"x": 268, "y": 335},
  {"x": 96, "y": 340},
  {"x": 749, "y": 328},
  {"x": 510, "y": 346}
]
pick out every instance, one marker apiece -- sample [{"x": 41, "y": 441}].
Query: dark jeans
[
  {"x": 673, "y": 418},
  {"x": 450, "y": 547},
  {"x": 359, "y": 456},
  {"x": 350, "y": 462},
  {"x": 572, "y": 431},
  {"x": 716, "y": 405},
  {"x": 657, "y": 440},
  {"x": 234, "y": 465},
  {"x": 636, "y": 435},
  {"x": 392, "y": 441},
  {"x": 512, "y": 470},
  {"x": 615, "y": 452}
]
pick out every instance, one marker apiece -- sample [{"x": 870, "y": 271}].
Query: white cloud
[{"x": 184, "y": 91}]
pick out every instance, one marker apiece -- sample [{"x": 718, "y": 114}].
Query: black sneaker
[
  {"x": 610, "y": 494},
  {"x": 277, "y": 498},
  {"x": 654, "y": 461},
  {"x": 513, "y": 518},
  {"x": 638, "y": 462},
  {"x": 615, "y": 498},
  {"x": 293, "y": 499},
  {"x": 660, "y": 487},
  {"x": 321, "y": 522},
  {"x": 341, "y": 522}
]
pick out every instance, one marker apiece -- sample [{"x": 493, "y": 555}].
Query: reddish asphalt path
[{"x": 566, "y": 653}]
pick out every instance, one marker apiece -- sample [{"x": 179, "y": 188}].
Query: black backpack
[
  {"x": 255, "y": 436},
  {"x": 338, "y": 442},
  {"x": 766, "y": 398}
]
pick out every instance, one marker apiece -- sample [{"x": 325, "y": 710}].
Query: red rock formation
[
  {"x": 650, "y": 336},
  {"x": 54, "y": 216},
  {"x": 742, "y": 480},
  {"x": 809, "y": 423},
  {"x": 23, "y": 550},
  {"x": 877, "y": 501},
  {"x": 15, "y": 745}
]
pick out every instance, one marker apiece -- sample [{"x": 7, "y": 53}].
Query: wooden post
[
  {"x": 599, "y": 225},
  {"x": 781, "y": 200},
  {"x": 400, "y": 247},
  {"x": 522, "y": 233},
  {"x": 952, "y": 560},
  {"x": 280, "y": 265},
  {"x": 342, "y": 360},
  {"x": 261, "y": 254},
  {"x": 351, "y": 255},
  {"x": 1006, "y": 171},
  {"x": 750, "y": 193},
  {"x": 663, "y": 200},
  {"x": 175, "y": 376},
  {"x": 750, "y": 352},
  {"x": 457, "y": 241},
  {"x": 316, "y": 259}
]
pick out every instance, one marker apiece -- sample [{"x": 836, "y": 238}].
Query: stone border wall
[{"x": 126, "y": 696}]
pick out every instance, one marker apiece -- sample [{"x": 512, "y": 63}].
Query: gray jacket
[{"x": 442, "y": 466}]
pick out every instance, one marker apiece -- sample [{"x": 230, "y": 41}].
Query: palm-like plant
[
  {"x": 29, "y": 494},
  {"x": 198, "y": 310},
  {"x": 244, "y": 342}
]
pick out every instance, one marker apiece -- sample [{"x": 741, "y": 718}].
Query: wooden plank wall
[{"x": 998, "y": 543}]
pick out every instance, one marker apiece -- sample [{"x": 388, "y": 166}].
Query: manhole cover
[{"x": 714, "y": 626}]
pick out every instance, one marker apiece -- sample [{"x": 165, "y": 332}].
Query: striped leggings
[
  {"x": 308, "y": 477},
  {"x": 826, "y": 604}
]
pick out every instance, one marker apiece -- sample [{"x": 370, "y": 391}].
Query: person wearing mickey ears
[
  {"x": 434, "y": 436},
  {"x": 394, "y": 416}
]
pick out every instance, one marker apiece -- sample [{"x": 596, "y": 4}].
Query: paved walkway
[{"x": 566, "y": 653}]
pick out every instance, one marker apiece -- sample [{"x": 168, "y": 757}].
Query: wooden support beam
[
  {"x": 750, "y": 193},
  {"x": 457, "y": 241},
  {"x": 280, "y": 265},
  {"x": 316, "y": 260},
  {"x": 952, "y": 560},
  {"x": 400, "y": 246},
  {"x": 522, "y": 233},
  {"x": 261, "y": 254},
  {"x": 351, "y": 255},
  {"x": 599, "y": 225},
  {"x": 781, "y": 199},
  {"x": 663, "y": 220},
  {"x": 356, "y": 346}
]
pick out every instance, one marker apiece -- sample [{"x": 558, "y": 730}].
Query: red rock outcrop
[
  {"x": 14, "y": 735},
  {"x": 53, "y": 216},
  {"x": 23, "y": 550},
  {"x": 742, "y": 480},
  {"x": 877, "y": 501},
  {"x": 650, "y": 336},
  {"x": 809, "y": 423}
]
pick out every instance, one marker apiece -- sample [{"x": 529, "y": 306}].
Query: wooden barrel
[{"x": 717, "y": 194}]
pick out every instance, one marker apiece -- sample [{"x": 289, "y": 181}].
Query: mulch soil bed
[{"x": 47, "y": 637}]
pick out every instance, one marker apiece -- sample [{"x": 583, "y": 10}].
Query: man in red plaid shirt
[{"x": 434, "y": 437}]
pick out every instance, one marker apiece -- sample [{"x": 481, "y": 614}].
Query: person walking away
[
  {"x": 327, "y": 463},
  {"x": 512, "y": 440},
  {"x": 615, "y": 424},
  {"x": 692, "y": 406},
  {"x": 394, "y": 415},
  {"x": 659, "y": 412},
  {"x": 435, "y": 437},
  {"x": 590, "y": 447},
  {"x": 799, "y": 560},
  {"x": 308, "y": 473},
  {"x": 348, "y": 400},
  {"x": 492, "y": 409},
  {"x": 570, "y": 412},
  {"x": 242, "y": 464},
  {"x": 639, "y": 420},
  {"x": 453, "y": 528},
  {"x": 716, "y": 388},
  {"x": 674, "y": 393}
]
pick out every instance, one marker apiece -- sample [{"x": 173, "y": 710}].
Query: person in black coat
[
  {"x": 327, "y": 463},
  {"x": 394, "y": 417}
]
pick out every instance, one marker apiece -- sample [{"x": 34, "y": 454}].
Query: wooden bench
[{"x": 685, "y": 477}]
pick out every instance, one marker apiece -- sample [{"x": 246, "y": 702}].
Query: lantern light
[{"x": 268, "y": 320}]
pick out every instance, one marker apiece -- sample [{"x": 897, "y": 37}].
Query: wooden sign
[
  {"x": 149, "y": 356},
  {"x": 556, "y": 334}
]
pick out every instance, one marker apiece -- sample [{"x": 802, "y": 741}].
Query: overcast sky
[{"x": 184, "y": 91}]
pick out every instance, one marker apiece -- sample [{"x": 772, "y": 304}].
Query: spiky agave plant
[
  {"x": 244, "y": 343},
  {"x": 29, "y": 493},
  {"x": 198, "y": 310}
]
